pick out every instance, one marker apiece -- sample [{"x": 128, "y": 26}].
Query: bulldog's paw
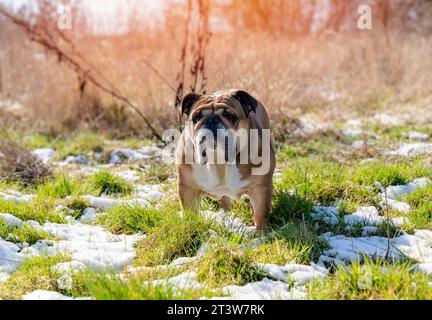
[{"x": 259, "y": 231}]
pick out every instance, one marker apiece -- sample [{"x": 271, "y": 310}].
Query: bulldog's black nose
[
  {"x": 212, "y": 120},
  {"x": 213, "y": 123}
]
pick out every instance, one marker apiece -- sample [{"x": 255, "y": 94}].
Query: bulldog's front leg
[
  {"x": 261, "y": 204},
  {"x": 190, "y": 198},
  {"x": 225, "y": 203}
]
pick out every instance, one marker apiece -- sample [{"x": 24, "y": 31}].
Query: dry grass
[
  {"x": 19, "y": 164},
  {"x": 336, "y": 76}
]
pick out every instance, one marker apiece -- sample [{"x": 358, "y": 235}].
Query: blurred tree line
[{"x": 300, "y": 17}]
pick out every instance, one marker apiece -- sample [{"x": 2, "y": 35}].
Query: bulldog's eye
[
  {"x": 196, "y": 117},
  {"x": 230, "y": 117}
]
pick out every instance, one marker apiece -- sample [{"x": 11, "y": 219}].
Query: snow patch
[
  {"x": 15, "y": 197},
  {"x": 45, "y": 295},
  {"x": 89, "y": 215},
  {"x": 118, "y": 155},
  {"x": 417, "y": 247},
  {"x": 107, "y": 203},
  {"x": 80, "y": 159},
  {"x": 44, "y": 154},
  {"x": 393, "y": 192},
  {"x": 365, "y": 216},
  {"x": 149, "y": 192},
  {"x": 184, "y": 281},
  {"x": 329, "y": 215},
  {"x": 92, "y": 245},
  {"x": 414, "y": 135},
  {"x": 228, "y": 220},
  {"x": 425, "y": 268},
  {"x": 10, "y": 105},
  {"x": 411, "y": 149},
  {"x": 10, "y": 220},
  {"x": 388, "y": 120},
  {"x": 265, "y": 289},
  {"x": 10, "y": 257},
  {"x": 396, "y": 205},
  {"x": 293, "y": 272},
  {"x": 70, "y": 267},
  {"x": 358, "y": 133},
  {"x": 128, "y": 175}
]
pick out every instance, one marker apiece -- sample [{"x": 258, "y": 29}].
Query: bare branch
[{"x": 41, "y": 35}]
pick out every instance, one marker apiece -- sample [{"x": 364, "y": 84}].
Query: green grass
[
  {"x": 59, "y": 187},
  {"x": 158, "y": 173},
  {"x": 78, "y": 205},
  {"x": 373, "y": 281},
  {"x": 21, "y": 234},
  {"x": 227, "y": 265},
  {"x": 80, "y": 142},
  {"x": 75, "y": 143},
  {"x": 126, "y": 219},
  {"x": 397, "y": 134},
  {"x": 419, "y": 196},
  {"x": 316, "y": 170},
  {"x": 107, "y": 183},
  {"x": 400, "y": 172},
  {"x": 323, "y": 183},
  {"x": 38, "y": 210},
  {"x": 36, "y": 140},
  {"x": 324, "y": 145},
  {"x": 241, "y": 209},
  {"x": 33, "y": 274},
  {"x": 286, "y": 207},
  {"x": 110, "y": 287},
  {"x": 282, "y": 251},
  {"x": 420, "y": 215},
  {"x": 173, "y": 237}
]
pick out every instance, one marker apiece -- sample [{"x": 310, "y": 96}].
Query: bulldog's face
[{"x": 215, "y": 118}]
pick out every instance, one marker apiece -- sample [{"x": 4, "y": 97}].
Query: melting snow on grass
[
  {"x": 229, "y": 221},
  {"x": 15, "y": 196},
  {"x": 10, "y": 258},
  {"x": 108, "y": 203},
  {"x": 293, "y": 272},
  {"x": 44, "y": 154},
  {"x": 265, "y": 289},
  {"x": 411, "y": 149},
  {"x": 49, "y": 295},
  {"x": 184, "y": 281},
  {"x": 390, "y": 194},
  {"x": 346, "y": 249},
  {"x": 388, "y": 120},
  {"x": 414, "y": 135},
  {"x": 118, "y": 155},
  {"x": 91, "y": 245}
]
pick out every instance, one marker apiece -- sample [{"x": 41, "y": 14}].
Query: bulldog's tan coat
[{"x": 223, "y": 182}]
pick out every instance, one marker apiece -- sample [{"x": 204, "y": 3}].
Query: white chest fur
[{"x": 219, "y": 183}]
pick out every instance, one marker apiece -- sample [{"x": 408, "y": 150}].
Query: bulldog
[{"x": 225, "y": 152}]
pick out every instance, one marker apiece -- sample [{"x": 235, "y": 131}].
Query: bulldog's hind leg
[
  {"x": 261, "y": 204},
  {"x": 190, "y": 198}
]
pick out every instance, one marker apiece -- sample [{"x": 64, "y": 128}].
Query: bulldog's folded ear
[
  {"x": 248, "y": 102},
  {"x": 187, "y": 103}
]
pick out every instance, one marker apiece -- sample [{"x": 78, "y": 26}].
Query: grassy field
[
  {"x": 88, "y": 209},
  {"x": 201, "y": 257}
]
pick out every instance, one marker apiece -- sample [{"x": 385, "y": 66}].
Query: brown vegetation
[
  {"x": 327, "y": 72},
  {"x": 20, "y": 165}
]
